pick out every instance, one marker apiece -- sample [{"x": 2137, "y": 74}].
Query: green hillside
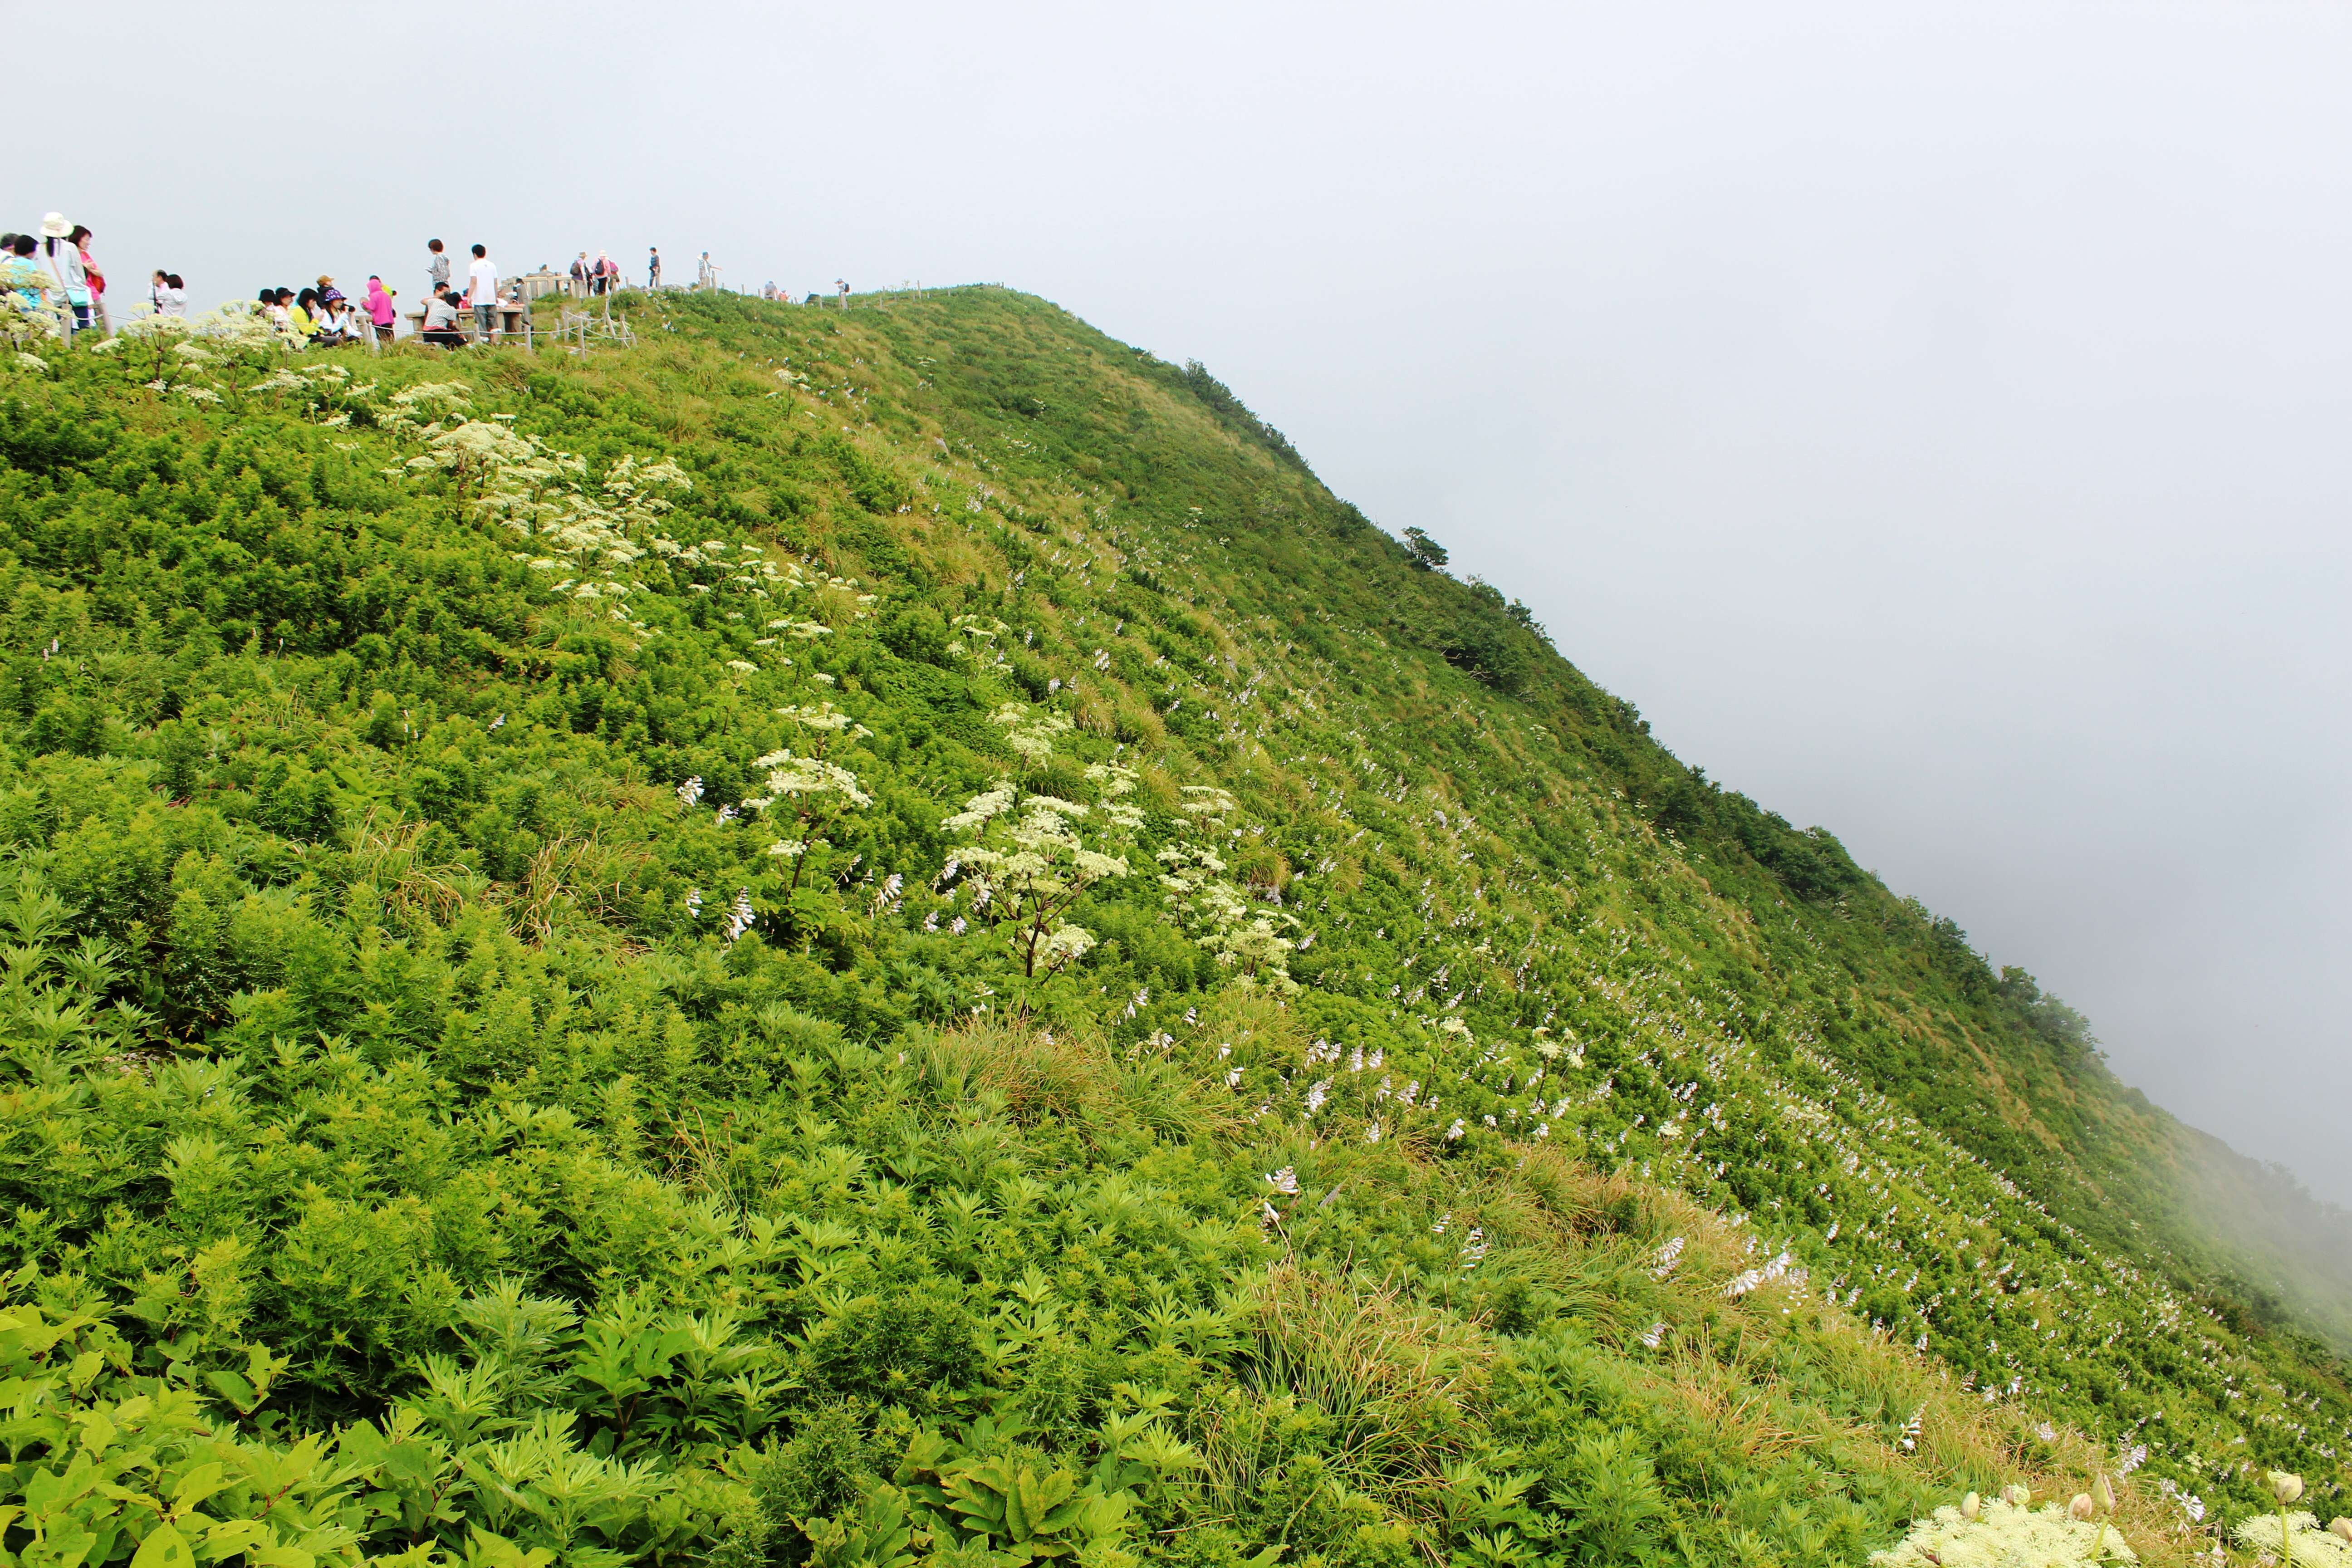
[{"x": 885, "y": 936}]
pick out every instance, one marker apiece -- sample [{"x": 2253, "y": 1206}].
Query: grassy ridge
[{"x": 514, "y": 972}]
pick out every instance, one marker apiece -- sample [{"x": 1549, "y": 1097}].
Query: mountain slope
[{"x": 892, "y": 918}]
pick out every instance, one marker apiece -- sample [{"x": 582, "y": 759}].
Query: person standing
[
  {"x": 381, "y": 310},
  {"x": 440, "y": 268},
  {"x": 93, "y": 278},
  {"x": 706, "y": 277},
  {"x": 21, "y": 275},
  {"x": 63, "y": 256},
  {"x": 580, "y": 276},
  {"x": 482, "y": 292},
  {"x": 652, "y": 266}
]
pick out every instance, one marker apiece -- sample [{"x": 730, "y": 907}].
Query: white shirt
[{"x": 482, "y": 281}]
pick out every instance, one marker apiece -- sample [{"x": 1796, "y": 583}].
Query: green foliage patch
[{"x": 885, "y": 936}]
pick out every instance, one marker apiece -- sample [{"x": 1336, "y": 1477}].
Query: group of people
[
  {"x": 323, "y": 316},
  {"x": 602, "y": 276},
  {"x": 445, "y": 311},
  {"x": 54, "y": 267}
]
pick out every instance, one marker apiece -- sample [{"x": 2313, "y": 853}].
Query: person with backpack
[{"x": 580, "y": 276}]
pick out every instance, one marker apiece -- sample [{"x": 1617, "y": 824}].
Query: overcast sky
[{"x": 1933, "y": 418}]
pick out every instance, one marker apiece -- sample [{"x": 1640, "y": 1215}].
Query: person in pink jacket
[{"x": 380, "y": 309}]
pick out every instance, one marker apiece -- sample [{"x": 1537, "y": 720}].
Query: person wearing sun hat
[{"x": 62, "y": 250}]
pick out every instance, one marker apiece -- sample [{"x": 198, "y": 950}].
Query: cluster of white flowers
[
  {"x": 822, "y": 718},
  {"x": 1030, "y": 732},
  {"x": 740, "y": 914},
  {"x": 2001, "y": 1533},
  {"x": 803, "y": 780},
  {"x": 1035, "y": 869},
  {"x": 1242, "y": 939},
  {"x": 2312, "y": 1547},
  {"x": 1205, "y": 800},
  {"x": 1781, "y": 1266}
]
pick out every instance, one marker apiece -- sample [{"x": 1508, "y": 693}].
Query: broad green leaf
[
  {"x": 195, "y": 1486},
  {"x": 163, "y": 1548},
  {"x": 234, "y": 1389}
]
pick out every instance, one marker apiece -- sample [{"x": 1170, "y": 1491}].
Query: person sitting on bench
[{"x": 441, "y": 319}]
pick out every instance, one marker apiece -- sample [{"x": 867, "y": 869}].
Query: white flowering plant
[
  {"x": 22, "y": 326},
  {"x": 1245, "y": 939},
  {"x": 2004, "y": 1534},
  {"x": 1028, "y": 866},
  {"x": 1030, "y": 731},
  {"x": 818, "y": 791}
]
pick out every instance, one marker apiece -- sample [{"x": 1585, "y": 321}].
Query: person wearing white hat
[{"x": 61, "y": 246}]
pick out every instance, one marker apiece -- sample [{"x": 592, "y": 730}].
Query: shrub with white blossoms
[
  {"x": 2295, "y": 1538},
  {"x": 1030, "y": 733},
  {"x": 542, "y": 493},
  {"x": 1205, "y": 801},
  {"x": 818, "y": 791},
  {"x": 22, "y": 326},
  {"x": 477, "y": 451},
  {"x": 2003, "y": 1534},
  {"x": 2313, "y": 1547},
  {"x": 1245, "y": 939},
  {"x": 1028, "y": 868},
  {"x": 824, "y": 722}
]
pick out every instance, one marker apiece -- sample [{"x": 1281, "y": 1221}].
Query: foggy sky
[{"x": 1936, "y": 422}]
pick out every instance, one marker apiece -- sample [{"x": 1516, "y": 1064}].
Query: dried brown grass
[
  {"x": 1073, "y": 1077},
  {"x": 1398, "y": 1380},
  {"x": 387, "y": 852},
  {"x": 569, "y": 876}
]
